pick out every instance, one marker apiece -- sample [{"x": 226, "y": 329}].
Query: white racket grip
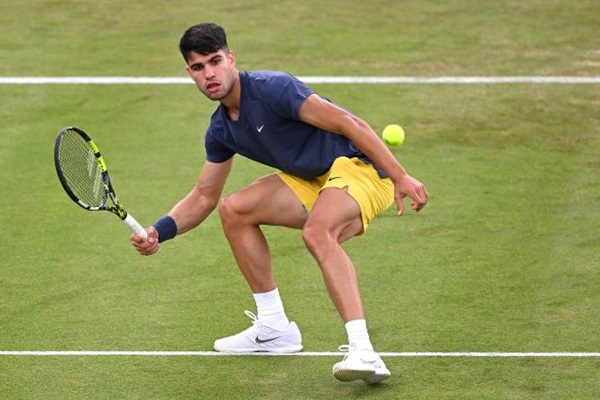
[{"x": 134, "y": 226}]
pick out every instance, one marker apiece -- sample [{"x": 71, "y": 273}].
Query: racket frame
[{"x": 107, "y": 187}]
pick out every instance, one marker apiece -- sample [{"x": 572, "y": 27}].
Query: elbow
[
  {"x": 351, "y": 127},
  {"x": 210, "y": 204}
]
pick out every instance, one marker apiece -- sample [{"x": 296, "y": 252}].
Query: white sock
[
  {"x": 358, "y": 336},
  {"x": 270, "y": 309}
]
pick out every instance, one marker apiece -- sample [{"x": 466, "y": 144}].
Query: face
[{"x": 214, "y": 74}]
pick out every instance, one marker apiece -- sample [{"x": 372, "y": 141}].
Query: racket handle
[{"x": 134, "y": 226}]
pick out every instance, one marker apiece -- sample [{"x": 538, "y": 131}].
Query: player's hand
[
  {"x": 407, "y": 186},
  {"x": 146, "y": 246}
]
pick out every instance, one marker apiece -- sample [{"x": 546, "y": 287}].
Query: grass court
[{"x": 505, "y": 258}]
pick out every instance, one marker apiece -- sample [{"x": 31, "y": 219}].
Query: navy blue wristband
[{"x": 166, "y": 228}]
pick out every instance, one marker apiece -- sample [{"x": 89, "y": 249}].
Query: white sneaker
[
  {"x": 260, "y": 337},
  {"x": 360, "y": 364}
]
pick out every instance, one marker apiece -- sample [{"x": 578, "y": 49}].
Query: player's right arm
[{"x": 190, "y": 211}]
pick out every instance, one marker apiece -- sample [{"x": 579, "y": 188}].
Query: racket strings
[{"x": 81, "y": 169}]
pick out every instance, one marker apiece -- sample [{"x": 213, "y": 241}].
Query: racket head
[{"x": 81, "y": 169}]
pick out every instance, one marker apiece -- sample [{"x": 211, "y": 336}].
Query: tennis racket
[{"x": 82, "y": 172}]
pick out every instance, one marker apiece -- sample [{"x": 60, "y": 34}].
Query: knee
[
  {"x": 316, "y": 239},
  {"x": 229, "y": 210}
]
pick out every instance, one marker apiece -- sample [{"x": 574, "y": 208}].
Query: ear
[{"x": 231, "y": 56}]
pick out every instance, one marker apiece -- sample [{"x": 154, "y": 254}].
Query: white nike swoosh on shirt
[{"x": 260, "y": 128}]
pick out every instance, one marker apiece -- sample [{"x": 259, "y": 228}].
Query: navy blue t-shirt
[{"x": 268, "y": 129}]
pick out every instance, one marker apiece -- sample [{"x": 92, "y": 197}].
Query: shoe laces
[
  {"x": 256, "y": 322},
  {"x": 351, "y": 348},
  {"x": 346, "y": 348},
  {"x": 254, "y": 318}
]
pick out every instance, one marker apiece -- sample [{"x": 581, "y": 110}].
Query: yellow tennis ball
[{"x": 393, "y": 135}]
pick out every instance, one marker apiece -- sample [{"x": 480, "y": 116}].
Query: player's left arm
[{"x": 327, "y": 116}]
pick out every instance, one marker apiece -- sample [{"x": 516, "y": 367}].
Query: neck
[{"x": 232, "y": 100}]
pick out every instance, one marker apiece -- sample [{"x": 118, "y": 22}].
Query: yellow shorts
[{"x": 373, "y": 194}]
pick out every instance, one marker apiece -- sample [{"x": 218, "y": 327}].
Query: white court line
[
  {"x": 305, "y": 354},
  {"x": 141, "y": 80}
]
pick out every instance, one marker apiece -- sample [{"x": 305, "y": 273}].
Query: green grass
[{"x": 504, "y": 258}]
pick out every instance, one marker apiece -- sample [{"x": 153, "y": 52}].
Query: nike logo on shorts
[{"x": 334, "y": 177}]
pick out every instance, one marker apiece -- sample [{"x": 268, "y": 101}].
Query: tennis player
[{"x": 335, "y": 175}]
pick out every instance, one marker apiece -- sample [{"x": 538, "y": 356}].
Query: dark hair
[{"x": 205, "y": 38}]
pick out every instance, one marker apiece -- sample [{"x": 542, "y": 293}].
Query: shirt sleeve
[
  {"x": 216, "y": 152},
  {"x": 288, "y": 95}
]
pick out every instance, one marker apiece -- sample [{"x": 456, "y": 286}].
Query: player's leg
[
  {"x": 267, "y": 201},
  {"x": 334, "y": 219},
  {"x": 341, "y": 212}
]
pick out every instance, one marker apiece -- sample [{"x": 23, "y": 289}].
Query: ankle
[
  {"x": 277, "y": 321},
  {"x": 270, "y": 309},
  {"x": 361, "y": 345},
  {"x": 358, "y": 336}
]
